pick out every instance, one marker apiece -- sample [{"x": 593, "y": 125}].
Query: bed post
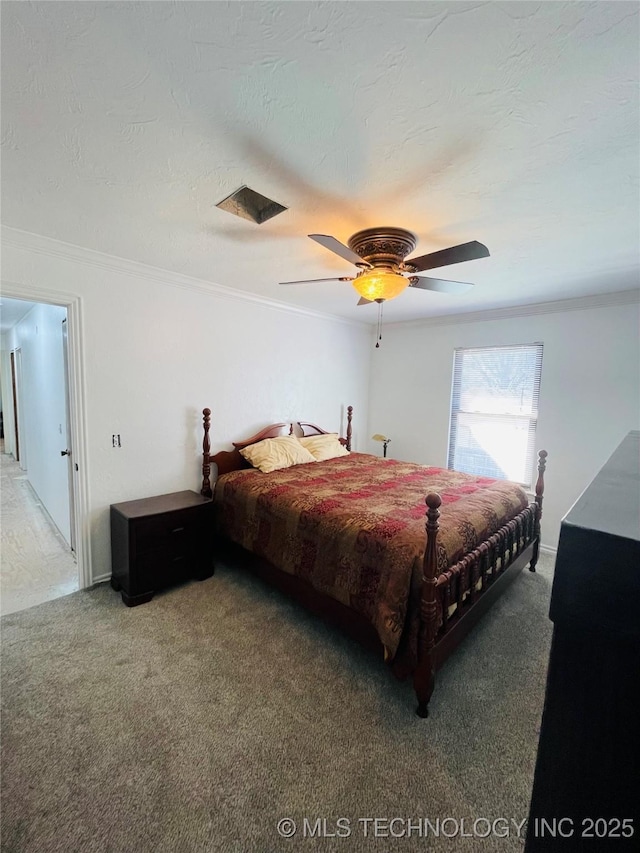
[
  {"x": 425, "y": 673},
  {"x": 349, "y": 416},
  {"x": 206, "y": 447},
  {"x": 542, "y": 464}
]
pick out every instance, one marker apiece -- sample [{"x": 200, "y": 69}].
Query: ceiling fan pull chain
[{"x": 379, "y": 329}]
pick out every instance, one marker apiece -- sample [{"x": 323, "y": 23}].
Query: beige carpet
[
  {"x": 37, "y": 564},
  {"x": 196, "y": 722}
]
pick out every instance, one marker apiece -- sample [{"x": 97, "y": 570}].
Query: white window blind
[{"x": 494, "y": 411}]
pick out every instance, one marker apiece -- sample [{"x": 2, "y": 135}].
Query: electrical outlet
[{"x": 115, "y": 440}]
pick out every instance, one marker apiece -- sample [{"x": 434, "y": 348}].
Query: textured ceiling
[{"x": 512, "y": 123}]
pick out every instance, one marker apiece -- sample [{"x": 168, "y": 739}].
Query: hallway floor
[{"x": 36, "y": 563}]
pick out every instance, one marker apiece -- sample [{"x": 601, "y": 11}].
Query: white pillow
[
  {"x": 272, "y": 454},
  {"x": 324, "y": 446}
]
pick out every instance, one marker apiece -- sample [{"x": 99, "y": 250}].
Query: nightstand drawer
[
  {"x": 172, "y": 531},
  {"x": 157, "y": 569}
]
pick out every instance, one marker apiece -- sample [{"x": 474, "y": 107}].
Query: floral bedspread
[{"x": 354, "y": 527}]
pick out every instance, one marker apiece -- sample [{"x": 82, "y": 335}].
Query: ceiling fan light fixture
[{"x": 380, "y": 284}]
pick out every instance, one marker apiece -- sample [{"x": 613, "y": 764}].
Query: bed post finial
[
  {"x": 206, "y": 447},
  {"x": 425, "y": 674},
  {"x": 349, "y": 417},
  {"x": 542, "y": 464}
]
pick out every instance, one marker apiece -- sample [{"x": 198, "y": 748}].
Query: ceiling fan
[{"x": 379, "y": 254}]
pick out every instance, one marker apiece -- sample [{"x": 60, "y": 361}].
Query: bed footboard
[
  {"x": 542, "y": 464},
  {"x": 467, "y": 583},
  {"x": 424, "y": 677}
]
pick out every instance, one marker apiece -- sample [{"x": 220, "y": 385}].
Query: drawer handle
[{"x": 177, "y": 529}]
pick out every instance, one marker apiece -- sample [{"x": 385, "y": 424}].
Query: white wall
[
  {"x": 156, "y": 353},
  {"x": 43, "y": 429},
  {"x": 589, "y": 399}
]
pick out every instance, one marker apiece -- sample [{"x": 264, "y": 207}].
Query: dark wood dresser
[
  {"x": 159, "y": 541},
  {"x": 586, "y": 791}
]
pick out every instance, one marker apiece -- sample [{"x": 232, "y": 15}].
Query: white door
[{"x": 68, "y": 450}]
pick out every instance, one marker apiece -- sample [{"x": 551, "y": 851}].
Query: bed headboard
[
  {"x": 313, "y": 429},
  {"x": 231, "y": 460}
]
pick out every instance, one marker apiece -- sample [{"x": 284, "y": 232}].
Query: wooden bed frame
[{"x": 496, "y": 562}]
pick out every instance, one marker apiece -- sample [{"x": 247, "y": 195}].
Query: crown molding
[
  {"x": 27, "y": 241},
  {"x": 579, "y": 303}
]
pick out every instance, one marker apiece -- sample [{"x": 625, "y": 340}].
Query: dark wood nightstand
[{"x": 158, "y": 541}]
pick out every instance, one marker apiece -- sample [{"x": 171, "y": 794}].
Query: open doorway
[{"x": 40, "y": 461}]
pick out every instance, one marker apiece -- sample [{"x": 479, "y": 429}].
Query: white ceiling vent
[{"x": 250, "y": 205}]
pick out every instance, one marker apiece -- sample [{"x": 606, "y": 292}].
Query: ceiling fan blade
[
  {"x": 339, "y": 248},
  {"x": 441, "y": 285},
  {"x": 314, "y": 280},
  {"x": 455, "y": 255},
  {"x": 363, "y": 301}
]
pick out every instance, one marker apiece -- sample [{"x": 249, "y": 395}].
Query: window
[{"x": 494, "y": 410}]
